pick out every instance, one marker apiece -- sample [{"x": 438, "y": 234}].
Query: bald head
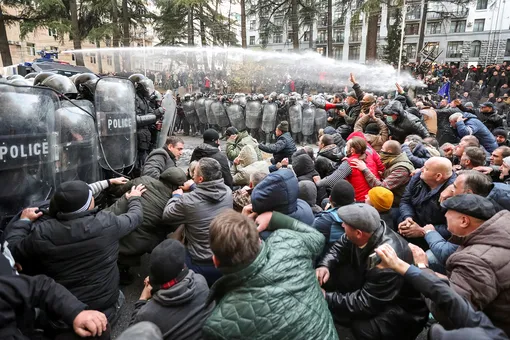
[
  {"x": 436, "y": 171},
  {"x": 392, "y": 146},
  {"x": 441, "y": 166}
]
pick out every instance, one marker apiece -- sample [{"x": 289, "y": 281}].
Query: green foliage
[{"x": 391, "y": 50}]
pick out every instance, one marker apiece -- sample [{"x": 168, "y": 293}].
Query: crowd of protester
[{"x": 398, "y": 223}]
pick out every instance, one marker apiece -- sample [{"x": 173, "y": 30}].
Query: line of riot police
[{"x": 56, "y": 129}]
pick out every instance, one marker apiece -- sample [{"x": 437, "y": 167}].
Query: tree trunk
[
  {"x": 330, "y": 28},
  {"x": 425, "y": 5},
  {"x": 191, "y": 36},
  {"x": 115, "y": 36},
  {"x": 4, "y": 43},
  {"x": 243, "y": 24},
  {"x": 371, "y": 53},
  {"x": 310, "y": 35},
  {"x": 125, "y": 34},
  {"x": 295, "y": 25},
  {"x": 99, "y": 57},
  {"x": 75, "y": 29}
]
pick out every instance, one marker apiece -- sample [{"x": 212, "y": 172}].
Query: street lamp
[{"x": 404, "y": 13}]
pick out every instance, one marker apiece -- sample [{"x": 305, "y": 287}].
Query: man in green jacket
[
  {"x": 268, "y": 289},
  {"x": 237, "y": 141}
]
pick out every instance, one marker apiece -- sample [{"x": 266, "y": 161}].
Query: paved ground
[{"x": 132, "y": 292}]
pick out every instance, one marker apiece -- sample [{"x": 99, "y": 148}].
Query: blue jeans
[{"x": 207, "y": 270}]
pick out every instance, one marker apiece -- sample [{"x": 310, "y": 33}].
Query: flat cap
[
  {"x": 472, "y": 205},
  {"x": 360, "y": 216},
  {"x": 488, "y": 104}
]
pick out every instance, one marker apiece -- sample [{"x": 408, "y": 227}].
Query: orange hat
[{"x": 381, "y": 198}]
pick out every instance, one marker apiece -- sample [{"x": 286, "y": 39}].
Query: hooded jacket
[
  {"x": 196, "y": 210},
  {"x": 157, "y": 162},
  {"x": 243, "y": 138},
  {"x": 328, "y": 159},
  {"x": 272, "y": 296},
  {"x": 303, "y": 166},
  {"x": 178, "y": 311},
  {"x": 248, "y": 165},
  {"x": 207, "y": 150},
  {"x": 153, "y": 200},
  {"x": 473, "y": 126},
  {"x": 279, "y": 191},
  {"x": 406, "y": 124},
  {"x": 479, "y": 270}
]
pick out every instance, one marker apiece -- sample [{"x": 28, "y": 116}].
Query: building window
[
  {"x": 306, "y": 36},
  {"x": 475, "y": 49},
  {"x": 253, "y": 25},
  {"x": 411, "y": 51},
  {"x": 479, "y": 25},
  {"x": 109, "y": 60},
  {"x": 338, "y": 36},
  {"x": 93, "y": 59},
  {"x": 54, "y": 48},
  {"x": 454, "y": 49},
  {"x": 277, "y": 39},
  {"x": 338, "y": 52},
  {"x": 108, "y": 42},
  {"x": 434, "y": 28},
  {"x": 323, "y": 20},
  {"x": 413, "y": 12},
  {"x": 252, "y": 40},
  {"x": 354, "y": 52},
  {"x": 321, "y": 37},
  {"x": 31, "y": 49},
  {"x": 52, "y": 32},
  {"x": 289, "y": 37},
  {"x": 278, "y": 22},
  {"x": 507, "y": 49},
  {"x": 412, "y": 29},
  {"x": 481, "y": 4},
  {"x": 458, "y": 26},
  {"x": 355, "y": 34},
  {"x": 431, "y": 47}
]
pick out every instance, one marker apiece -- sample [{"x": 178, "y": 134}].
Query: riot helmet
[
  {"x": 22, "y": 81},
  {"x": 42, "y": 76},
  {"x": 260, "y": 97},
  {"x": 61, "y": 84},
  {"x": 14, "y": 77},
  {"x": 83, "y": 78},
  {"x": 31, "y": 75},
  {"x": 187, "y": 96}
]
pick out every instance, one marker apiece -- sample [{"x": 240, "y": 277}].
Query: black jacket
[
  {"x": 21, "y": 294},
  {"x": 178, "y": 311},
  {"x": 456, "y": 317},
  {"x": 492, "y": 120},
  {"x": 384, "y": 294},
  {"x": 79, "y": 252},
  {"x": 303, "y": 166},
  {"x": 157, "y": 162},
  {"x": 406, "y": 124},
  {"x": 283, "y": 148},
  {"x": 206, "y": 150},
  {"x": 328, "y": 159}
]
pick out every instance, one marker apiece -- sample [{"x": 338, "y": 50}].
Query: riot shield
[
  {"x": 189, "y": 111},
  {"x": 321, "y": 119},
  {"x": 28, "y": 145},
  {"x": 170, "y": 106},
  {"x": 79, "y": 151},
  {"x": 116, "y": 121},
  {"x": 236, "y": 115},
  {"x": 211, "y": 119},
  {"x": 242, "y": 100},
  {"x": 295, "y": 118},
  {"x": 253, "y": 114},
  {"x": 269, "y": 117},
  {"x": 220, "y": 114},
  {"x": 200, "y": 108},
  {"x": 308, "y": 119},
  {"x": 319, "y": 101}
]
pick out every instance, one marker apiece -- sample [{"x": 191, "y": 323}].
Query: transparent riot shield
[
  {"x": 321, "y": 119},
  {"x": 189, "y": 112},
  {"x": 269, "y": 117},
  {"x": 170, "y": 106},
  {"x": 253, "y": 114},
  {"x": 200, "y": 108},
  {"x": 116, "y": 121},
  {"x": 295, "y": 118},
  {"x": 78, "y": 148},
  {"x": 211, "y": 119},
  {"x": 236, "y": 115},
  {"x": 220, "y": 114},
  {"x": 28, "y": 144},
  {"x": 308, "y": 114}
]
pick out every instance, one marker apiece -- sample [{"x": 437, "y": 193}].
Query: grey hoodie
[
  {"x": 178, "y": 311},
  {"x": 196, "y": 210}
]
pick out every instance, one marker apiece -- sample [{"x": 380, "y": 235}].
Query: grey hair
[
  {"x": 209, "y": 169},
  {"x": 455, "y": 116},
  {"x": 257, "y": 177}
]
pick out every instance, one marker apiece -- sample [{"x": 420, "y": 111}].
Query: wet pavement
[{"x": 133, "y": 291}]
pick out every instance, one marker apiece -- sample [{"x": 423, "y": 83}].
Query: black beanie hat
[
  {"x": 283, "y": 126},
  {"x": 211, "y": 135},
  {"x": 342, "y": 193},
  {"x": 167, "y": 263},
  {"x": 231, "y": 131},
  {"x": 372, "y": 129},
  {"x": 71, "y": 197}
]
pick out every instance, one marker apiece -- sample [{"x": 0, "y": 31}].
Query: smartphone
[{"x": 373, "y": 260}]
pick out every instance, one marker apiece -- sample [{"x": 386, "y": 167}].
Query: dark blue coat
[
  {"x": 422, "y": 204},
  {"x": 283, "y": 148},
  {"x": 473, "y": 126}
]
